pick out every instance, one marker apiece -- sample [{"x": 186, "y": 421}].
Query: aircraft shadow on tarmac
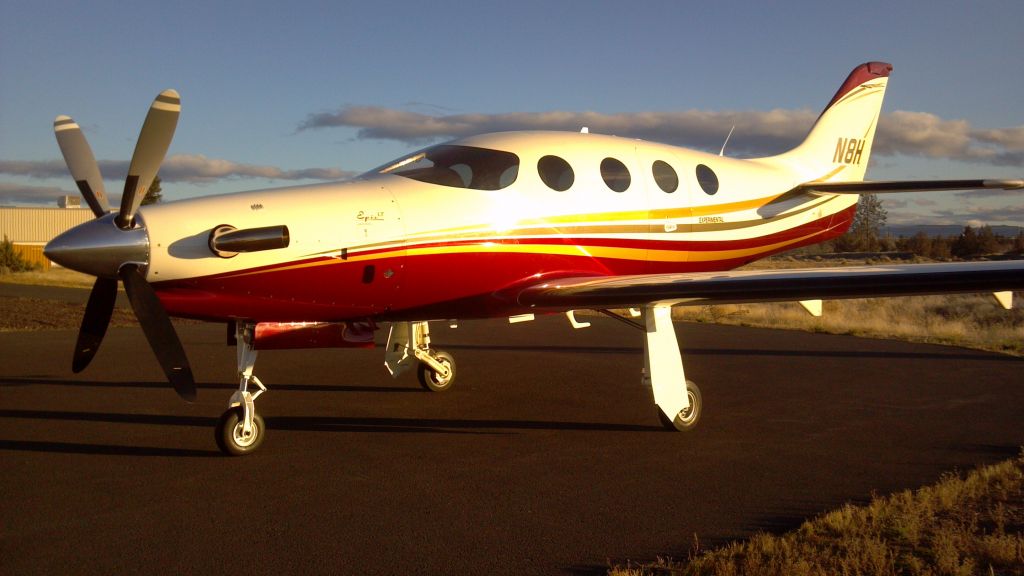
[
  {"x": 104, "y": 449},
  {"x": 339, "y": 423},
  {"x": 978, "y": 355},
  {"x": 38, "y": 381},
  {"x": 289, "y": 423}
]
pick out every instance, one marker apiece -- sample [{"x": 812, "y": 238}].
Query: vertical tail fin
[{"x": 839, "y": 145}]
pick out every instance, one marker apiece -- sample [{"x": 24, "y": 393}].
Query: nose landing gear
[{"x": 241, "y": 430}]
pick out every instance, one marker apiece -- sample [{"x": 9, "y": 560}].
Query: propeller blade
[
  {"x": 154, "y": 140},
  {"x": 159, "y": 331},
  {"x": 81, "y": 163},
  {"x": 95, "y": 322}
]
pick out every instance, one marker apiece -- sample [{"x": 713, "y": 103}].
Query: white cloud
[
  {"x": 20, "y": 194},
  {"x": 703, "y": 129},
  {"x": 987, "y": 215},
  {"x": 34, "y": 169},
  {"x": 757, "y": 132},
  {"x": 192, "y": 168},
  {"x": 198, "y": 168}
]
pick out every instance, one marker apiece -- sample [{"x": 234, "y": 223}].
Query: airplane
[{"x": 507, "y": 224}]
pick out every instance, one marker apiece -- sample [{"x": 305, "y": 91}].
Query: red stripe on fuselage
[{"x": 456, "y": 284}]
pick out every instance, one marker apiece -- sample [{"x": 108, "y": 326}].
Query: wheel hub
[{"x": 240, "y": 437}]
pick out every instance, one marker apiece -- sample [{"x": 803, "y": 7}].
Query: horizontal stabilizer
[{"x": 890, "y": 186}]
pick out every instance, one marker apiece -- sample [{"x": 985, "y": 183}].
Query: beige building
[{"x": 29, "y": 229}]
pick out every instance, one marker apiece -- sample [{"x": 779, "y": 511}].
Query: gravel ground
[{"x": 19, "y": 313}]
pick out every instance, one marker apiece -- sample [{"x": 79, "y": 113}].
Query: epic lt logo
[{"x": 848, "y": 150}]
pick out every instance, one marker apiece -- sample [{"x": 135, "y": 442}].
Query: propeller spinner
[{"x": 115, "y": 247}]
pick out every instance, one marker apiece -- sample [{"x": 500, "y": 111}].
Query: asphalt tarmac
[{"x": 546, "y": 458}]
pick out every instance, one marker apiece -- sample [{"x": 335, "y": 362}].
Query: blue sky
[{"x": 274, "y": 93}]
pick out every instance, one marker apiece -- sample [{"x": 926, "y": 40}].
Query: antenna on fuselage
[{"x": 722, "y": 151}]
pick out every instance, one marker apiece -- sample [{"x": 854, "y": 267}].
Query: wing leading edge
[{"x": 748, "y": 286}]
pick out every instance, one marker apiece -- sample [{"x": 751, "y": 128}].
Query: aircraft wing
[
  {"x": 747, "y": 286},
  {"x": 890, "y": 186}
]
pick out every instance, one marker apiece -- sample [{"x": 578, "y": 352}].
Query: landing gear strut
[
  {"x": 408, "y": 343},
  {"x": 240, "y": 429},
  {"x": 678, "y": 399}
]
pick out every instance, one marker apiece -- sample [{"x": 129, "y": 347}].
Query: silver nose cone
[{"x": 99, "y": 247}]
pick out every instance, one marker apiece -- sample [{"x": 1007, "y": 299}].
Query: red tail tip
[{"x": 861, "y": 74}]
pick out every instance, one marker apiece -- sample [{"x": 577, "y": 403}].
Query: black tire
[
  {"x": 430, "y": 380},
  {"x": 229, "y": 433},
  {"x": 687, "y": 419}
]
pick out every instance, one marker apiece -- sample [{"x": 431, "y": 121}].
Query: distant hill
[{"x": 933, "y": 230}]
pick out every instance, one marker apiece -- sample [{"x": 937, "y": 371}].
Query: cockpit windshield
[{"x": 458, "y": 167}]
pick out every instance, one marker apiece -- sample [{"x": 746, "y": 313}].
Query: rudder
[{"x": 838, "y": 146}]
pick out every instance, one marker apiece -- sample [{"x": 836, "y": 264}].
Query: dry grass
[
  {"x": 52, "y": 277},
  {"x": 970, "y": 525},
  {"x": 970, "y": 320}
]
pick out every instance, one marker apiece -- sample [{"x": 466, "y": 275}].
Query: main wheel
[
  {"x": 432, "y": 380},
  {"x": 688, "y": 417},
  {"x": 230, "y": 437}
]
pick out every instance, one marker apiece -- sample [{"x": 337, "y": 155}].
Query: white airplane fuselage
[{"x": 389, "y": 246}]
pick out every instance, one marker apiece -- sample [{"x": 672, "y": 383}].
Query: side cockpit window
[{"x": 458, "y": 167}]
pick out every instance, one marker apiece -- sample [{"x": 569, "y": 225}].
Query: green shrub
[{"x": 10, "y": 260}]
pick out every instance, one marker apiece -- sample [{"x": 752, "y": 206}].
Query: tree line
[{"x": 865, "y": 235}]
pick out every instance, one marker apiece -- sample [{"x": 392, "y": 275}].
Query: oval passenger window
[
  {"x": 556, "y": 173},
  {"x": 707, "y": 179},
  {"x": 615, "y": 174},
  {"x": 665, "y": 176}
]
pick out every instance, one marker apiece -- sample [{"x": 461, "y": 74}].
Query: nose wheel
[{"x": 232, "y": 437}]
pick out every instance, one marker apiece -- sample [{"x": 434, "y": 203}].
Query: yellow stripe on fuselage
[
  {"x": 607, "y": 217},
  {"x": 604, "y": 252}
]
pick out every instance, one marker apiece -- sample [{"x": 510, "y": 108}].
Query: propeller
[
  {"x": 84, "y": 169},
  {"x": 113, "y": 247},
  {"x": 154, "y": 140}
]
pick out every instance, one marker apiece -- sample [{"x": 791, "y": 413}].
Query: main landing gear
[
  {"x": 678, "y": 400},
  {"x": 409, "y": 343},
  {"x": 679, "y": 405},
  {"x": 240, "y": 429}
]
